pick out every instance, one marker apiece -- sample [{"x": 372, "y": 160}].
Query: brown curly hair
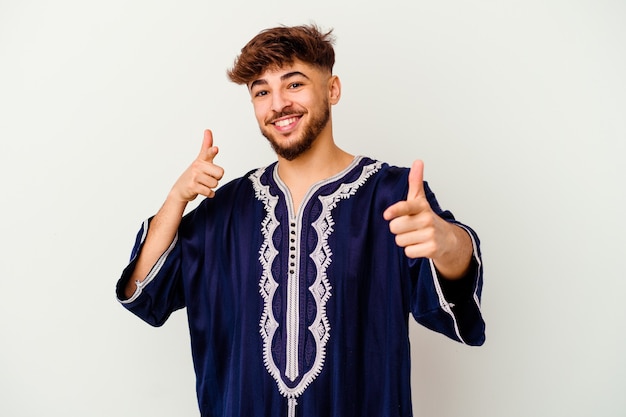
[{"x": 279, "y": 46}]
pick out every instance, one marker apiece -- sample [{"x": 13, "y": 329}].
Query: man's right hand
[{"x": 202, "y": 176}]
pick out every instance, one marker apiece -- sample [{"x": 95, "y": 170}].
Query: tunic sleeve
[
  {"x": 450, "y": 307},
  {"x": 161, "y": 292}
]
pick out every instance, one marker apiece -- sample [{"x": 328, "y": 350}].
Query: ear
[{"x": 334, "y": 89}]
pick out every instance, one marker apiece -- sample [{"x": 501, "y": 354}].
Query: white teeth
[{"x": 285, "y": 122}]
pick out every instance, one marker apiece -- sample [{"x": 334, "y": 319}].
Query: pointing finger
[
  {"x": 208, "y": 151},
  {"x": 416, "y": 180},
  {"x": 416, "y": 189}
]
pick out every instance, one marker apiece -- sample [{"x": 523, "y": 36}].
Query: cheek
[{"x": 259, "y": 112}]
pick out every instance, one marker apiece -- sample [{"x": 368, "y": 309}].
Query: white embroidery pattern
[
  {"x": 320, "y": 289},
  {"x": 321, "y": 256},
  {"x": 267, "y": 253}
]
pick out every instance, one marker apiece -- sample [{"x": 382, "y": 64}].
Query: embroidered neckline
[
  {"x": 293, "y": 381},
  {"x": 314, "y": 188}
]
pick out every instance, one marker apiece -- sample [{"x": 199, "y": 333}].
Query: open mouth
[{"x": 287, "y": 123}]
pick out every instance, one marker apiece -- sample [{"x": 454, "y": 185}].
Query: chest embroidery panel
[{"x": 291, "y": 365}]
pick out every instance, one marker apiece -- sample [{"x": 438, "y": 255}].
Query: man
[{"x": 299, "y": 277}]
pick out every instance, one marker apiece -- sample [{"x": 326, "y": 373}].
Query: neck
[
  {"x": 322, "y": 161},
  {"x": 316, "y": 164}
]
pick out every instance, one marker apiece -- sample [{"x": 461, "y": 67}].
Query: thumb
[
  {"x": 208, "y": 151},
  {"x": 416, "y": 180}
]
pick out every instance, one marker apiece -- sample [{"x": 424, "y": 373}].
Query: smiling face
[{"x": 292, "y": 106}]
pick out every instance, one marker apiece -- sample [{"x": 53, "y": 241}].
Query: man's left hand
[{"x": 423, "y": 234}]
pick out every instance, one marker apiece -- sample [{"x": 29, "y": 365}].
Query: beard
[{"x": 297, "y": 146}]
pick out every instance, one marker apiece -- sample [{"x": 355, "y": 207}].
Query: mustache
[{"x": 286, "y": 112}]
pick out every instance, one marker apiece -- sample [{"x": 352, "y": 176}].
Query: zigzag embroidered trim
[
  {"x": 267, "y": 284},
  {"x": 320, "y": 289}
]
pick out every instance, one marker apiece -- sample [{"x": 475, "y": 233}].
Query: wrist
[{"x": 455, "y": 258}]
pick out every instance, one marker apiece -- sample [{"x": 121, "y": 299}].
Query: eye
[
  {"x": 260, "y": 93},
  {"x": 295, "y": 85}
]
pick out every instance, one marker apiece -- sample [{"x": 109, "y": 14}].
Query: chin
[
  {"x": 298, "y": 145},
  {"x": 293, "y": 151}
]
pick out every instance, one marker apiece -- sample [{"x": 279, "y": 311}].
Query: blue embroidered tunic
[{"x": 304, "y": 313}]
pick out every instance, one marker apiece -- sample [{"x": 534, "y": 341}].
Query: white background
[{"x": 517, "y": 107}]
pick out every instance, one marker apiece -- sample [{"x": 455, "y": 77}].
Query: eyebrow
[{"x": 283, "y": 77}]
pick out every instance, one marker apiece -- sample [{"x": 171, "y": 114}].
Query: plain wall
[{"x": 518, "y": 109}]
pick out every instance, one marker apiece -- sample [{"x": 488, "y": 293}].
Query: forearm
[
  {"x": 163, "y": 229},
  {"x": 454, "y": 262},
  {"x": 200, "y": 178}
]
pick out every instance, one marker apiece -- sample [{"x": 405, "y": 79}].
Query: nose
[{"x": 280, "y": 101}]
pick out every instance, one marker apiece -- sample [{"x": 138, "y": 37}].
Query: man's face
[{"x": 292, "y": 107}]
